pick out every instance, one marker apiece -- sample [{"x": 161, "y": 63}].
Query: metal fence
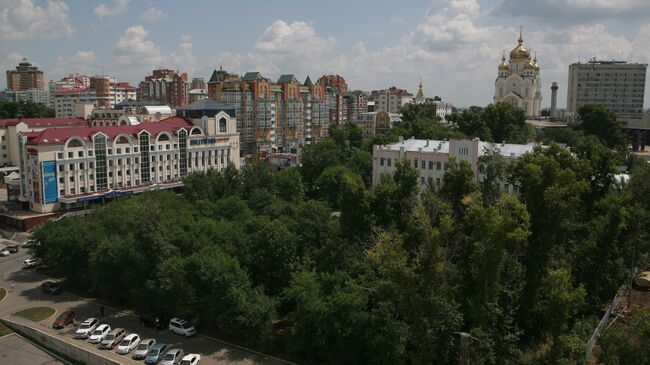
[{"x": 603, "y": 321}]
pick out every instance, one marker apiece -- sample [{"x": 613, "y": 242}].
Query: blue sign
[{"x": 50, "y": 190}]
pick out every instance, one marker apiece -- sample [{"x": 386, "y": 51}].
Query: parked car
[
  {"x": 143, "y": 349},
  {"x": 99, "y": 333},
  {"x": 63, "y": 320},
  {"x": 5, "y": 253},
  {"x": 128, "y": 344},
  {"x": 181, "y": 327},
  {"x": 172, "y": 357},
  {"x": 155, "y": 322},
  {"x": 191, "y": 359},
  {"x": 50, "y": 287},
  {"x": 30, "y": 263},
  {"x": 157, "y": 352},
  {"x": 113, "y": 338},
  {"x": 86, "y": 328},
  {"x": 13, "y": 248}
]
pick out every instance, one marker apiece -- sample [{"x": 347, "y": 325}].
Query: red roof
[
  {"x": 44, "y": 122},
  {"x": 59, "y": 136},
  {"x": 65, "y": 90}
]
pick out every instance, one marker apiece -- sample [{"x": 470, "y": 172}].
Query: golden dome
[
  {"x": 503, "y": 66},
  {"x": 529, "y": 66},
  {"x": 520, "y": 52}
]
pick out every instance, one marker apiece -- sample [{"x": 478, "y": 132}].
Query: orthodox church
[{"x": 518, "y": 82}]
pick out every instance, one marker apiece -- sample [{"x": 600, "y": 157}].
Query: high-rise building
[
  {"x": 335, "y": 87},
  {"x": 391, "y": 100},
  {"x": 25, "y": 77},
  {"x": 518, "y": 82},
  {"x": 355, "y": 103},
  {"x": 100, "y": 91},
  {"x": 277, "y": 116},
  {"x": 198, "y": 83},
  {"x": 617, "y": 85},
  {"x": 167, "y": 86}
]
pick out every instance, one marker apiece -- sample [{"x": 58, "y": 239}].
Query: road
[{"x": 27, "y": 294}]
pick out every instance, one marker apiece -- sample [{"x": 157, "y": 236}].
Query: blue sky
[{"x": 453, "y": 45}]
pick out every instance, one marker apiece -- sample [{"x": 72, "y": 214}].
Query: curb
[{"x": 6, "y": 294}]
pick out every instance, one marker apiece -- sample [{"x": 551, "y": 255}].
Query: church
[{"x": 518, "y": 82}]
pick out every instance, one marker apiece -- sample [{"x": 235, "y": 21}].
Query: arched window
[
  {"x": 163, "y": 137},
  {"x": 75, "y": 143},
  {"x": 195, "y": 131},
  {"x": 122, "y": 139},
  {"x": 223, "y": 125}
]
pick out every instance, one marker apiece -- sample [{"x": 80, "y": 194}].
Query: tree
[
  {"x": 598, "y": 121},
  {"x": 558, "y": 302},
  {"x": 287, "y": 185},
  {"x": 458, "y": 182},
  {"x": 493, "y": 168},
  {"x": 24, "y": 109},
  {"x": 316, "y": 158}
]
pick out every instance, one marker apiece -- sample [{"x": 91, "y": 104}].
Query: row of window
[{"x": 437, "y": 165}]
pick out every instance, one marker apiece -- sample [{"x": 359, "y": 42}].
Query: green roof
[
  {"x": 214, "y": 77},
  {"x": 284, "y": 79},
  {"x": 308, "y": 82},
  {"x": 252, "y": 76}
]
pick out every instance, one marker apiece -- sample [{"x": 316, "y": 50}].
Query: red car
[{"x": 63, "y": 320}]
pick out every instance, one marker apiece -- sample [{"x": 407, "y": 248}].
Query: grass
[
  {"x": 36, "y": 314},
  {"x": 3, "y": 293},
  {"x": 4, "y": 330}
]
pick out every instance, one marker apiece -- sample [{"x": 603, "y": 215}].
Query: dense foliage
[
  {"x": 316, "y": 263},
  {"x": 24, "y": 109}
]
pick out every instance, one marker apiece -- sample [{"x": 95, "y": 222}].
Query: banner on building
[{"x": 49, "y": 182}]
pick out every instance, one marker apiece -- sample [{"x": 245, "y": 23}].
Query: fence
[{"x": 603, "y": 321}]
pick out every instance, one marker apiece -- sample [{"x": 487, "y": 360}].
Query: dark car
[
  {"x": 51, "y": 287},
  {"x": 13, "y": 248},
  {"x": 63, "y": 320},
  {"x": 155, "y": 322}
]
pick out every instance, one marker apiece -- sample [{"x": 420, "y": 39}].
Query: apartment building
[
  {"x": 372, "y": 123},
  {"x": 167, "y": 86},
  {"x": 98, "y": 91},
  {"x": 431, "y": 158},
  {"x": 391, "y": 100},
  {"x": 69, "y": 167},
  {"x": 618, "y": 85},
  {"x": 26, "y": 76}
]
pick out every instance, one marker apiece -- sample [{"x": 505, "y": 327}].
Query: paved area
[
  {"x": 27, "y": 294},
  {"x": 16, "y": 350}
]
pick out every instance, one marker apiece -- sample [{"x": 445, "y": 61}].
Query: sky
[{"x": 453, "y": 46}]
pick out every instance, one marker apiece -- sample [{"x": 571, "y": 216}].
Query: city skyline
[{"x": 454, "y": 46}]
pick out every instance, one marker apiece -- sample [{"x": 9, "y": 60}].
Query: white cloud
[
  {"x": 118, "y": 7},
  {"x": 153, "y": 14},
  {"x": 395, "y": 19},
  {"x": 186, "y": 38},
  {"x": 571, "y": 12},
  {"x": 133, "y": 48},
  {"x": 23, "y": 20},
  {"x": 297, "y": 37},
  {"x": 82, "y": 61}
]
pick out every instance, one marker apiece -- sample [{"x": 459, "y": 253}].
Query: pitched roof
[
  {"x": 59, "y": 136},
  {"x": 214, "y": 77},
  {"x": 308, "y": 82},
  {"x": 44, "y": 122},
  {"x": 252, "y": 76},
  {"x": 285, "y": 79}
]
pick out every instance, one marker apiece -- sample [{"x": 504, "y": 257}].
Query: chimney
[{"x": 553, "y": 99}]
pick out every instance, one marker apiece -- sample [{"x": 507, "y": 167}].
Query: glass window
[
  {"x": 81, "y": 154},
  {"x": 381, "y": 161},
  {"x": 70, "y": 154}
]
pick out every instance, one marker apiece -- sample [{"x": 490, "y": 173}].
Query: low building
[
  {"x": 10, "y": 128},
  {"x": 372, "y": 123},
  {"x": 198, "y": 94},
  {"x": 68, "y": 167},
  {"x": 431, "y": 158},
  {"x": 33, "y": 95}
]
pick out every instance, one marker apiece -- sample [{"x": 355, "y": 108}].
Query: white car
[
  {"x": 181, "y": 327},
  {"x": 191, "y": 359},
  {"x": 29, "y": 263},
  {"x": 86, "y": 328},
  {"x": 99, "y": 333},
  {"x": 129, "y": 343},
  {"x": 5, "y": 253}
]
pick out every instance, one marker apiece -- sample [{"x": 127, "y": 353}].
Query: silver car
[
  {"x": 143, "y": 349},
  {"x": 172, "y": 357},
  {"x": 113, "y": 338}
]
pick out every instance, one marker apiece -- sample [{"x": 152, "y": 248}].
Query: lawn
[
  {"x": 3, "y": 293},
  {"x": 4, "y": 330},
  {"x": 36, "y": 314}
]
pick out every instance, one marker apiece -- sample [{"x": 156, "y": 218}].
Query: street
[{"x": 27, "y": 293}]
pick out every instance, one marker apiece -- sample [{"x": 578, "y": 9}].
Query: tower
[
  {"x": 553, "y": 99},
  {"x": 518, "y": 80},
  {"x": 419, "y": 97}
]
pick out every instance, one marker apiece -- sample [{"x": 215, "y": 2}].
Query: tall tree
[{"x": 598, "y": 121}]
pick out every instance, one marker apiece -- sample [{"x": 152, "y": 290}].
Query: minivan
[
  {"x": 113, "y": 338},
  {"x": 157, "y": 352},
  {"x": 181, "y": 327}
]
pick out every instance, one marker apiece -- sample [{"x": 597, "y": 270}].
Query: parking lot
[{"x": 27, "y": 293}]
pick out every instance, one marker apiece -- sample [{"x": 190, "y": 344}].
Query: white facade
[
  {"x": 66, "y": 99},
  {"x": 391, "y": 100},
  {"x": 431, "y": 158},
  {"x": 518, "y": 82},
  {"x": 617, "y": 85}
]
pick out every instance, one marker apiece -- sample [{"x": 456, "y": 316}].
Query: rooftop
[
  {"x": 44, "y": 122},
  {"x": 414, "y": 145}
]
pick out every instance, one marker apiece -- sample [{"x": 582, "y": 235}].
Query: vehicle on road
[
  {"x": 50, "y": 287},
  {"x": 99, "y": 333},
  {"x": 181, "y": 327},
  {"x": 86, "y": 328},
  {"x": 112, "y": 339},
  {"x": 128, "y": 344},
  {"x": 63, "y": 320},
  {"x": 143, "y": 349},
  {"x": 191, "y": 359},
  {"x": 155, "y": 322},
  {"x": 31, "y": 263},
  {"x": 157, "y": 352},
  {"x": 13, "y": 248},
  {"x": 5, "y": 253},
  {"x": 172, "y": 357}
]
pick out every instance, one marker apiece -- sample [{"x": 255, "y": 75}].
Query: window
[
  {"x": 222, "y": 125},
  {"x": 110, "y": 151},
  {"x": 415, "y": 163},
  {"x": 438, "y": 165},
  {"x": 389, "y": 161},
  {"x": 381, "y": 161},
  {"x": 71, "y": 178},
  {"x": 81, "y": 154},
  {"x": 430, "y": 165},
  {"x": 59, "y": 155},
  {"x": 61, "y": 167},
  {"x": 71, "y": 167},
  {"x": 81, "y": 165},
  {"x": 423, "y": 165},
  {"x": 61, "y": 180},
  {"x": 118, "y": 151},
  {"x": 437, "y": 181},
  {"x": 70, "y": 154},
  {"x": 90, "y": 153},
  {"x": 421, "y": 180},
  {"x": 128, "y": 150}
]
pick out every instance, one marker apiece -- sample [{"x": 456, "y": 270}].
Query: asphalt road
[{"x": 27, "y": 294}]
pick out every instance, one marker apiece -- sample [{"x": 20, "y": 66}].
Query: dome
[
  {"x": 529, "y": 66},
  {"x": 520, "y": 52},
  {"x": 503, "y": 66}
]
